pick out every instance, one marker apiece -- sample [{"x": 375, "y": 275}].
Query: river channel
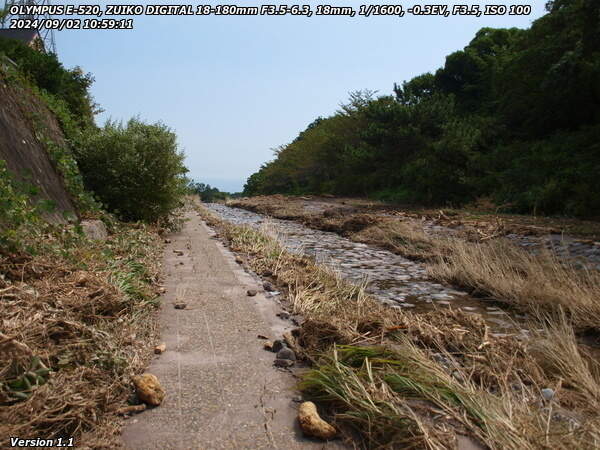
[{"x": 392, "y": 279}]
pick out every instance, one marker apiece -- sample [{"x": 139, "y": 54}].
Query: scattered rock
[
  {"x": 94, "y": 230},
  {"x": 286, "y": 353},
  {"x": 442, "y": 359},
  {"x": 239, "y": 260},
  {"x": 312, "y": 424},
  {"x": 268, "y": 286},
  {"x": 178, "y": 252},
  {"x": 284, "y": 315},
  {"x": 167, "y": 241},
  {"x": 180, "y": 305},
  {"x": 162, "y": 290},
  {"x": 160, "y": 348},
  {"x": 268, "y": 346},
  {"x": 278, "y": 345},
  {"x": 267, "y": 273},
  {"x": 547, "y": 394},
  {"x": 283, "y": 363},
  {"x": 251, "y": 292},
  {"x": 262, "y": 336},
  {"x": 148, "y": 389},
  {"x": 290, "y": 340}
]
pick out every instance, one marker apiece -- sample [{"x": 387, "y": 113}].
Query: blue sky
[{"x": 234, "y": 88}]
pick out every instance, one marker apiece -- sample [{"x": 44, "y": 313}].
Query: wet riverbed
[{"x": 394, "y": 280}]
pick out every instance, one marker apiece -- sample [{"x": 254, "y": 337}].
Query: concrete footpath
[{"x": 222, "y": 389}]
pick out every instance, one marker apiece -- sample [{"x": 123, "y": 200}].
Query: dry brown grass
[
  {"x": 78, "y": 320},
  {"x": 502, "y": 271},
  {"x": 401, "y": 379}
]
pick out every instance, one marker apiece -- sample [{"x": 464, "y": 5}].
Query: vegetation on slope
[
  {"x": 514, "y": 116},
  {"x": 135, "y": 170}
]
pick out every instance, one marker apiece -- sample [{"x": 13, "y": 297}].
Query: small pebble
[
  {"x": 286, "y": 353},
  {"x": 548, "y": 394},
  {"x": 251, "y": 292},
  {"x": 283, "y": 363},
  {"x": 278, "y": 345}
]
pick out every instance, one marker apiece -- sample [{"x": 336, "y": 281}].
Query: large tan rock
[
  {"x": 149, "y": 389},
  {"x": 94, "y": 230},
  {"x": 312, "y": 424}
]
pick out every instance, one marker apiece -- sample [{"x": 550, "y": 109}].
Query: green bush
[{"x": 135, "y": 170}]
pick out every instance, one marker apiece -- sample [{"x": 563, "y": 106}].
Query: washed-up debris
[
  {"x": 312, "y": 424},
  {"x": 161, "y": 348},
  {"x": 131, "y": 409}
]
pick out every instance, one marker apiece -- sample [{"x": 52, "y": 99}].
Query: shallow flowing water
[{"x": 394, "y": 280}]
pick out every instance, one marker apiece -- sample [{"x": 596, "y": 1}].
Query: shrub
[{"x": 136, "y": 169}]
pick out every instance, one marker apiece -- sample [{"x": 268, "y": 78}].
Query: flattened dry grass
[
  {"x": 77, "y": 321},
  {"x": 394, "y": 378},
  {"x": 500, "y": 270}
]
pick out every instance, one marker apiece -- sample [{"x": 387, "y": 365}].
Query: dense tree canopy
[{"x": 515, "y": 115}]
